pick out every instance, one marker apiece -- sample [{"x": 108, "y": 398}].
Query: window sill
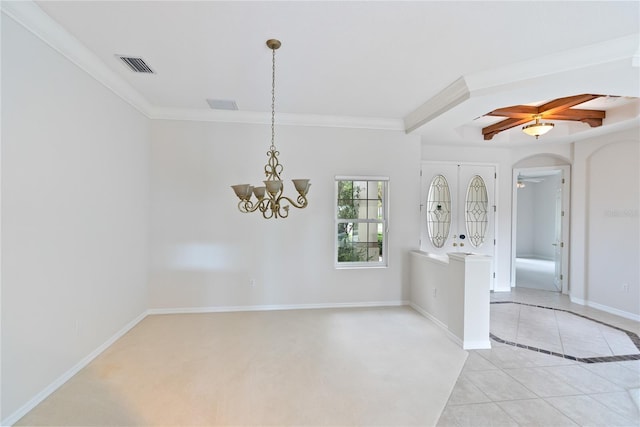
[{"x": 359, "y": 266}]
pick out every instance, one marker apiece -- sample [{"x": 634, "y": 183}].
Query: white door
[
  {"x": 558, "y": 244},
  {"x": 461, "y": 217},
  {"x": 476, "y": 216}
]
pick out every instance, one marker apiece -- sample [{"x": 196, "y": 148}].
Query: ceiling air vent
[
  {"x": 222, "y": 104},
  {"x": 136, "y": 64}
]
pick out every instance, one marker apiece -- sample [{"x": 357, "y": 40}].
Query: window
[{"x": 361, "y": 221}]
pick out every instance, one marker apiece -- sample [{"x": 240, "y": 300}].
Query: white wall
[
  {"x": 606, "y": 223},
  {"x": 204, "y": 252},
  {"x": 74, "y": 215},
  {"x": 526, "y": 219},
  {"x": 544, "y": 234}
]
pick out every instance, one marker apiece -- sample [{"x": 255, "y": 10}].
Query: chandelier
[
  {"x": 536, "y": 129},
  {"x": 269, "y": 200}
]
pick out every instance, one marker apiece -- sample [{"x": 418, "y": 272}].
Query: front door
[{"x": 458, "y": 209}]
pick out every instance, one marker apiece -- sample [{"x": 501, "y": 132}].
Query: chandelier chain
[{"x": 273, "y": 98}]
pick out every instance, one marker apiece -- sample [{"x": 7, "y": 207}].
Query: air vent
[
  {"x": 222, "y": 104},
  {"x": 136, "y": 64}
]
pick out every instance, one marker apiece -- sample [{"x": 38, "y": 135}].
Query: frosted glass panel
[
  {"x": 476, "y": 211},
  {"x": 438, "y": 211}
]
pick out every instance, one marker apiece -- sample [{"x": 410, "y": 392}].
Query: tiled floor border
[{"x": 632, "y": 336}]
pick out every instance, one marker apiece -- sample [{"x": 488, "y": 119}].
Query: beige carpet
[{"x": 382, "y": 366}]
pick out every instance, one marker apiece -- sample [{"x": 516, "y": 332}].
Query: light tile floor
[{"x": 513, "y": 386}]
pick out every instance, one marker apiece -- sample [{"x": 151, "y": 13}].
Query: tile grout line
[
  {"x": 518, "y": 323},
  {"x": 561, "y": 411},
  {"x": 606, "y": 340},
  {"x": 555, "y": 315}
]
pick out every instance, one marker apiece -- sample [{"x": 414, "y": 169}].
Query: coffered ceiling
[{"x": 432, "y": 68}]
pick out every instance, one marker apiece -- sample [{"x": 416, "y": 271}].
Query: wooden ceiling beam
[
  {"x": 524, "y": 111},
  {"x": 494, "y": 129},
  {"x": 574, "y": 114},
  {"x": 557, "y": 109},
  {"x": 594, "y": 123},
  {"x": 515, "y": 112},
  {"x": 561, "y": 104}
]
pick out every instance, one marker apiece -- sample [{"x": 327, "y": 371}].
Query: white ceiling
[{"x": 377, "y": 61}]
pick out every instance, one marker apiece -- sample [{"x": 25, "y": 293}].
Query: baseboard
[
  {"x": 534, "y": 256},
  {"x": 227, "y": 309},
  {"x": 438, "y": 323},
  {"x": 428, "y": 315},
  {"x": 24, "y": 409},
  {"x": 477, "y": 345},
  {"x": 611, "y": 310}
]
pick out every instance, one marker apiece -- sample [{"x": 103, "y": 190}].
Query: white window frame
[{"x": 384, "y": 262}]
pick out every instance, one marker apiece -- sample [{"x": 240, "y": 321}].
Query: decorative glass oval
[
  {"x": 476, "y": 211},
  {"x": 438, "y": 211}
]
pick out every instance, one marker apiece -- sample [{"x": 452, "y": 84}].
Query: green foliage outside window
[{"x": 360, "y": 240}]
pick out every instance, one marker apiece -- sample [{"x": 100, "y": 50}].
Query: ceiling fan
[{"x": 557, "y": 109}]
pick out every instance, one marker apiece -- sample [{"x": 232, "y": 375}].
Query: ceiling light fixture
[
  {"x": 536, "y": 129},
  {"x": 273, "y": 204}
]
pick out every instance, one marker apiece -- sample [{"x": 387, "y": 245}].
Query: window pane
[
  {"x": 362, "y": 239},
  {"x": 360, "y": 232},
  {"x": 372, "y": 209},
  {"x": 476, "y": 211},
  {"x": 345, "y": 189},
  {"x": 438, "y": 211},
  {"x": 359, "y": 189},
  {"x": 348, "y": 209}
]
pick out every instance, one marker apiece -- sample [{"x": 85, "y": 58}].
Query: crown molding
[
  {"x": 282, "y": 119},
  {"x": 28, "y": 14},
  {"x": 35, "y": 20}
]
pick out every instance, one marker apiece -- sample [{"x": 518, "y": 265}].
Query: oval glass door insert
[
  {"x": 438, "y": 211},
  {"x": 477, "y": 211}
]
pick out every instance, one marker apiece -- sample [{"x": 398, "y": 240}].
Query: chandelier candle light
[{"x": 270, "y": 199}]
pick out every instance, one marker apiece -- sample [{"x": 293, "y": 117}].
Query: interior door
[{"x": 558, "y": 244}]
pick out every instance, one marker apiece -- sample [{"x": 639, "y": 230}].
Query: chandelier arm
[
  {"x": 301, "y": 202},
  {"x": 267, "y": 213},
  {"x": 246, "y": 206},
  {"x": 281, "y": 209}
]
